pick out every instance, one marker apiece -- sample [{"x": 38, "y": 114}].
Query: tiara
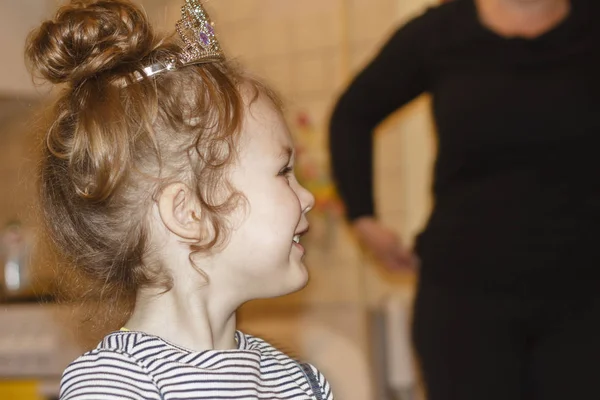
[{"x": 200, "y": 44}]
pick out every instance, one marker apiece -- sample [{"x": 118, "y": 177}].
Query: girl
[{"x": 168, "y": 177}]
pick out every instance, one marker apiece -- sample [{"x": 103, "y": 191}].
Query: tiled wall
[
  {"x": 18, "y": 156},
  {"x": 308, "y": 50}
]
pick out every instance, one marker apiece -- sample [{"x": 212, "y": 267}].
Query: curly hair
[{"x": 114, "y": 143}]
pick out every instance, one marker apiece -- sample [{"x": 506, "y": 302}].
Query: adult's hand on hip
[{"x": 385, "y": 245}]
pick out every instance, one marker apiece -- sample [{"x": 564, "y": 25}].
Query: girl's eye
[{"x": 287, "y": 171}]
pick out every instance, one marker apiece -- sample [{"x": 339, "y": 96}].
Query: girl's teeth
[{"x": 297, "y": 239}]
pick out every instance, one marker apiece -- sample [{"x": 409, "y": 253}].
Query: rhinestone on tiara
[{"x": 198, "y": 35}]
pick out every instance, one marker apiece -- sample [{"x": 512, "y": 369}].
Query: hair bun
[{"x": 89, "y": 37}]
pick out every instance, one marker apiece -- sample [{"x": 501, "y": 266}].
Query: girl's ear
[{"x": 180, "y": 210}]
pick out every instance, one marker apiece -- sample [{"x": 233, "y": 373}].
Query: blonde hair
[{"x": 114, "y": 143}]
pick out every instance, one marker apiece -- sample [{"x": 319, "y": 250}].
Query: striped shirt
[{"x": 139, "y": 366}]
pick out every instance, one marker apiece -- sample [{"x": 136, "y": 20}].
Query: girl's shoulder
[
  {"x": 316, "y": 383},
  {"x": 113, "y": 371}
]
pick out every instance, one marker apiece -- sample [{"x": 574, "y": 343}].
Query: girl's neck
[
  {"x": 189, "y": 321},
  {"x": 522, "y": 18}
]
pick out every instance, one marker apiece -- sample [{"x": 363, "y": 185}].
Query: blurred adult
[{"x": 508, "y": 299}]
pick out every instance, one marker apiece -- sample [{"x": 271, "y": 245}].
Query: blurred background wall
[{"x": 308, "y": 51}]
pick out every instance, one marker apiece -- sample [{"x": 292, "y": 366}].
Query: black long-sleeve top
[{"x": 517, "y": 175}]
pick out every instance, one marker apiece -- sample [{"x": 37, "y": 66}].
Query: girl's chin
[{"x": 298, "y": 283}]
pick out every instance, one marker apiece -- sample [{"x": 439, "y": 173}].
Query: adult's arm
[{"x": 395, "y": 77}]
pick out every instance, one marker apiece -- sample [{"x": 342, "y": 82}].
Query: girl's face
[{"x": 262, "y": 258}]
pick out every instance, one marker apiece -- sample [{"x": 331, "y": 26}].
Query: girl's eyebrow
[{"x": 286, "y": 153}]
